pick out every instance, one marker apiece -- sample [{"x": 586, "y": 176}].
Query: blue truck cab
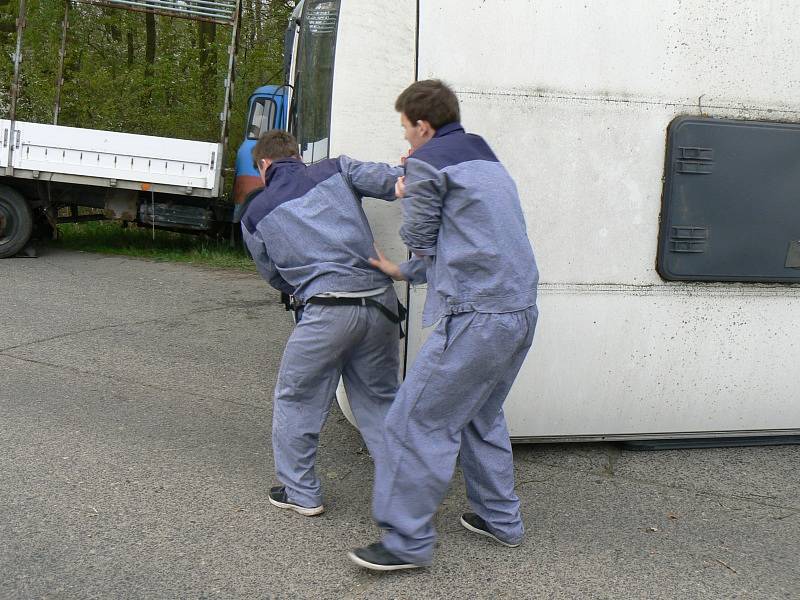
[{"x": 266, "y": 110}]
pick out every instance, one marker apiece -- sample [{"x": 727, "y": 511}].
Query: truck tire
[{"x": 16, "y": 221}]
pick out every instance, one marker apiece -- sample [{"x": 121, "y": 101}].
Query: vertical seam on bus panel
[
  {"x": 408, "y": 256},
  {"x": 416, "y": 47}
]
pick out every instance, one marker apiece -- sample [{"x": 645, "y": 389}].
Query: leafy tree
[{"x": 140, "y": 72}]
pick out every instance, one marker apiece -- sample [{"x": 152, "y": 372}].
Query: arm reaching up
[{"x": 375, "y": 180}]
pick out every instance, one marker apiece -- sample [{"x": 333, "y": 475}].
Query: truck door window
[{"x": 262, "y": 118}]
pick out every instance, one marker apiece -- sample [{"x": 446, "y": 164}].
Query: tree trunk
[
  {"x": 7, "y": 18},
  {"x": 256, "y": 24},
  {"x": 150, "y": 44},
  {"x": 111, "y": 24},
  {"x": 129, "y": 36},
  {"x": 206, "y": 35}
]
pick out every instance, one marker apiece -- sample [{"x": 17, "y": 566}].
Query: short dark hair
[
  {"x": 429, "y": 100},
  {"x": 274, "y": 145}
]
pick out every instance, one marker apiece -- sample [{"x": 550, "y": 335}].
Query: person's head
[
  {"x": 424, "y": 107},
  {"x": 273, "y": 145}
]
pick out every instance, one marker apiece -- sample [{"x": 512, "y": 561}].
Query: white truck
[
  {"x": 107, "y": 170},
  {"x": 161, "y": 182},
  {"x": 656, "y": 148}
]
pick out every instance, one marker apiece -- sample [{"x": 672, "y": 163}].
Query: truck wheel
[{"x": 16, "y": 221}]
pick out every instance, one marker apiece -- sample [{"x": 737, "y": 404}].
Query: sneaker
[
  {"x": 474, "y": 523},
  {"x": 278, "y": 497},
  {"x": 378, "y": 558}
]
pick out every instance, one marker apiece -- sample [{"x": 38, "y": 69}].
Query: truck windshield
[
  {"x": 262, "y": 116},
  {"x": 314, "y": 79}
]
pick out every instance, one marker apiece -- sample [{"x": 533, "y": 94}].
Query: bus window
[{"x": 314, "y": 78}]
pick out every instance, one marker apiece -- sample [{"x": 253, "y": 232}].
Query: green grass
[{"x": 109, "y": 237}]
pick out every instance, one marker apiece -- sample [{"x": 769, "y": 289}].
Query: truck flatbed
[{"x": 111, "y": 159}]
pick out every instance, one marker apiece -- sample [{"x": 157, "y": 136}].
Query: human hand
[
  {"x": 405, "y": 156},
  {"x": 384, "y": 264},
  {"x": 400, "y": 187}
]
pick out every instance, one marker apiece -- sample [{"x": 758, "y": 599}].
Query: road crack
[
  {"x": 228, "y": 305},
  {"x": 77, "y": 371},
  {"x": 794, "y": 510}
]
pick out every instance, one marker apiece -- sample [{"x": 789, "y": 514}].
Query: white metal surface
[
  {"x": 589, "y": 174},
  {"x": 5, "y": 137},
  {"x": 577, "y": 103},
  {"x": 106, "y": 158},
  {"x": 621, "y": 360},
  {"x": 576, "y": 99},
  {"x": 669, "y": 51},
  {"x": 370, "y": 71}
]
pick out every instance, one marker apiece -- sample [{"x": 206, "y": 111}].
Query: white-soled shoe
[
  {"x": 278, "y": 497},
  {"x": 474, "y": 523}
]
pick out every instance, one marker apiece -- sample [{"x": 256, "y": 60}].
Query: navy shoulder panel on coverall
[
  {"x": 462, "y": 214},
  {"x": 307, "y": 231}
]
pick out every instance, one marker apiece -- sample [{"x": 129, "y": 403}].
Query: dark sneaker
[
  {"x": 278, "y": 497},
  {"x": 378, "y": 558},
  {"x": 475, "y": 524}
]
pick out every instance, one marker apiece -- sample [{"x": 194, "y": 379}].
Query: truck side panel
[
  {"x": 5, "y": 140},
  {"x": 103, "y": 156}
]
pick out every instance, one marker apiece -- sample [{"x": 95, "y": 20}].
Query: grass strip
[{"x": 110, "y": 237}]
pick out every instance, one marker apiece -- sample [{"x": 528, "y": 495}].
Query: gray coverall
[
  {"x": 308, "y": 236},
  {"x": 463, "y": 217}
]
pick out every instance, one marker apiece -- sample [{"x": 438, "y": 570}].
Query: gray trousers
[
  {"x": 361, "y": 345},
  {"x": 450, "y": 405}
]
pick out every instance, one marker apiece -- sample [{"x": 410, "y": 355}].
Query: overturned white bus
[{"x": 656, "y": 147}]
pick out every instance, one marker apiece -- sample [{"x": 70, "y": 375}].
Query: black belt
[
  {"x": 362, "y": 301},
  {"x": 291, "y": 303}
]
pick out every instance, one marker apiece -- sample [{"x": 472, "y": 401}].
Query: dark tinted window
[
  {"x": 314, "y": 80},
  {"x": 731, "y": 205}
]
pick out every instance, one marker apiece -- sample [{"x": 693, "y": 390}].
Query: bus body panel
[
  {"x": 370, "y": 71},
  {"x": 697, "y": 53},
  {"x": 576, "y": 100}
]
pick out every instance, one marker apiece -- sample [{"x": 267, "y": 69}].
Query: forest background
[{"x": 140, "y": 72}]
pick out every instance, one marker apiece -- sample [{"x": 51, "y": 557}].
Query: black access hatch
[{"x": 731, "y": 205}]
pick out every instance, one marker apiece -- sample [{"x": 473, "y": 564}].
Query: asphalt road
[{"x": 135, "y": 407}]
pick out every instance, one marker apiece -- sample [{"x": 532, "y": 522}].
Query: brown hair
[
  {"x": 274, "y": 145},
  {"x": 429, "y": 100}
]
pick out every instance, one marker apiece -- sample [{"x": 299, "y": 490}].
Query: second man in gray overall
[
  {"x": 310, "y": 239},
  {"x": 463, "y": 222}
]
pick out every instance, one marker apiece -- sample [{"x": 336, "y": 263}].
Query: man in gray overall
[
  {"x": 310, "y": 239},
  {"x": 463, "y": 222}
]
